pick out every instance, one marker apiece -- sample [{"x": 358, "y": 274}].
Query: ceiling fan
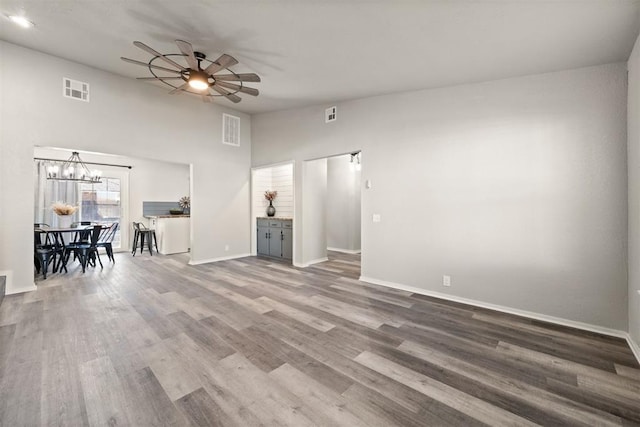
[{"x": 198, "y": 75}]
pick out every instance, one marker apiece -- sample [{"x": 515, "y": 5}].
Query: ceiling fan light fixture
[
  {"x": 198, "y": 77},
  {"x": 198, "y": 80}
]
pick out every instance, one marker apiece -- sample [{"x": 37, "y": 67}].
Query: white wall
[
  {"x": 343, "y": 204},
  {"x": 282, "y": 182},
  {"x": 276, "y": 178},
  {"x": 125, "y": 117},
  {"x": 314, "y": 221},
  {"x": 633, "y": 153},
  {"x": 516, "y": 188}
]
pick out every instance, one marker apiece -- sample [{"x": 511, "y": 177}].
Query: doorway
[
  {"x": 276, "y": 179},
  {"x": 331, "y": 211}
]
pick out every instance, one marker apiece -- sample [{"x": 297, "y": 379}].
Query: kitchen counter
[{"x": 172, "y": 232}]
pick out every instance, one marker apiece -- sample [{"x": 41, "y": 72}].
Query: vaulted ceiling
[{"x": 313, "y": 52}]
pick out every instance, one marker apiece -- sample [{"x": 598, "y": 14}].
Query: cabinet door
[
  {"x": 287, "y": 243},
  {"x": 275, "y": 242},
  {"x": 263, "y": 240}
]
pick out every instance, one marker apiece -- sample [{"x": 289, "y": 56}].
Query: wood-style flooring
[{"x": 151, "y": 341}]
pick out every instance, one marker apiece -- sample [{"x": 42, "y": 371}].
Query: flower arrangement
[
  {"x": 270, "y": 195},
  {"x": 185, "y": 202},
  {"x": 63, "y": 209}
]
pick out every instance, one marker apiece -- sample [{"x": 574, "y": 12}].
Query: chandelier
[{"x": 74, "y": 169}]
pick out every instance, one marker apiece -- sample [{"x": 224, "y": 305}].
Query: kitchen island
[{"x": 172, "y": 231}]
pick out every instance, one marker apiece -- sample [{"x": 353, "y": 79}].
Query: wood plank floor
[{"x": 153, "y": 341}]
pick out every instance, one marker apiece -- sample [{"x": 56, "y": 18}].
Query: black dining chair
[
  {"x": 81, "y": 236},
  {"x": 86, "y": 250},
  {"x": 47, "y": 250},
  {"x": 142, "y": 233},
  {"x": 106, "y": 239}
]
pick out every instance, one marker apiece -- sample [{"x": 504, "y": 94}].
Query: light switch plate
[
  {"x": 367, "y": 183},
  {"x": 376, "y": 218}
]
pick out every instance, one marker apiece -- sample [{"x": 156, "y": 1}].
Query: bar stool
[{"x": 142, "y": 233}]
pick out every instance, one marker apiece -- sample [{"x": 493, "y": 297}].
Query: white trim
[
  {"x": 8, "y": 284},
  {"x": 517, "y": 312},
  {"x": 272, "y": 165},
  {"x": 346, "y": 251},
  {"x": 313, "y": 261},
  {"x": 635, "y": 348},
  {"x": 224, "y": 258},
  {"x": 31, "y": 288}
]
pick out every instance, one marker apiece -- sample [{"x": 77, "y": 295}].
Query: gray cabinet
[
  {"x": 275, "y": 238},
  {"x": 287, "y": 243}
]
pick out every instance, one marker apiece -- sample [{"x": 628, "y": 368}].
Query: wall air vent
[
  {"x": 330, "y": 114},
  {"x": 75, "y": 89},
  {"x": 230, "y": 130}
]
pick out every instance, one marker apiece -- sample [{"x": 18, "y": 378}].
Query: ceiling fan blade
[
  {"x": 223, "y": 62},
  {"x": 207, "y": 98},
  {"x": 247, "y": 77},
  {"x": 160, "y": 78},
  {"x": 187, "y": 50},
  {"x": 231, "y": 97},
  {"x": 144, "y": 64},
  {"x": 179, "y": 89},
  {"x": 243, "y": 89},
  {"x": 158, "y": 54}
]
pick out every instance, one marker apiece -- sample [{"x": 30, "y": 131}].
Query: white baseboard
[
  {"x": 346, "y": 251},
  {"x": 224, "y": 258},
  {"x": 635, "y": 348},
  {"x": 9, "y": 289},
  {"x": 504, "y": 309},
  {"x": 313, "y": 261}
]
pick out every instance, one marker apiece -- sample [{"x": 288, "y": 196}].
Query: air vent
[
  {"x": 75, "y": 89},
  {"x": 330, "y": 114},
  {"x": 230, "y": 130}
]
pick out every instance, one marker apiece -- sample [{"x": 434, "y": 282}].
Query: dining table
[{"x": 58, "y": 238}]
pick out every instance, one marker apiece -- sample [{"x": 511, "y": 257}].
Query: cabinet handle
[
  {"x": 266, "y": 235},
  {"x": 281, "y": 236}
]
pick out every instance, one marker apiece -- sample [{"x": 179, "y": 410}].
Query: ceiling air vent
[
  {"x": 230, "y": 130},
  {"x": 75, "y": 89},
  {"x": 330, "y": 114}
]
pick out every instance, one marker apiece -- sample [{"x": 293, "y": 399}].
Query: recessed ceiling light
[{"x": 22, "y": 21}]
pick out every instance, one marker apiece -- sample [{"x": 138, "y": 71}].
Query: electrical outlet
[
  {"x": 376, "y": 218},
  {"x": 226, "y": 248},
  {"x": 446, "y": 280}
]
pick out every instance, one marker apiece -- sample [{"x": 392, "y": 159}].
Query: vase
[
  {"x": 64, "y": 221},
  {"x": 271, "y": 211}
]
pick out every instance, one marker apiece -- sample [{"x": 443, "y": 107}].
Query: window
[{"x": 100, "y": 203}]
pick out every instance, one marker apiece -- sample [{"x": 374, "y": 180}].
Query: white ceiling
[{"x": 322, "y": 51}]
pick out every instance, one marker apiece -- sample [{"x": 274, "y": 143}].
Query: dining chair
[
  {"x": 106, "y": 239},
  {"x": 81, "y": 236},
  {"x": 47, "y": 251},
  {"x": 87, "y": 250}
]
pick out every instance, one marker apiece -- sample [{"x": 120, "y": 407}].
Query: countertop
[
  {"x": 168, "y": 216},
  {"x": 279, "y": 218}
]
